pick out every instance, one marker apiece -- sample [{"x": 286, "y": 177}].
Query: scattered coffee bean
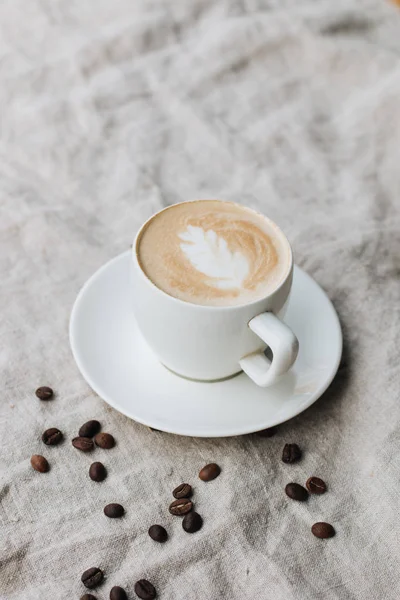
[
  {"x": 88, "y": 597},
  {"x": 104, "y": 440},
  {"x": 315, "y": 485},
  {"x": 39, "y": 463},
  {"x": 323, "y": 530},
  {"x": 118, "y": 593},
  {"x": 89, "y": 429},
  {"x": 180, "y": 507},
  {"x": 291, "y": 453},
  {"x": 114, "y": 511},
  {"x": 97, "y": 471},
  {"x": 182, "y": 491},
  {"x": 267, "y": 433},
  {"x": 92, "y": 577},
  {"x": 145, "y": 590},
  {"x": 158, "y": 533},
  {"x": 82, "y": 443},
  {"x": 44, "y": 393},
  {"x": 209, "y": 472},
  {"x": 52, "y": 436},
  {"x": 192, "y": 522},
  {"x": 295, "y": 491}
]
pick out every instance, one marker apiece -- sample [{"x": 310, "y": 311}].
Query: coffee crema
[{"x": 213, "y": 253}]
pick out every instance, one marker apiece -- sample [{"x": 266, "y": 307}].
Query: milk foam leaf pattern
[{"x": 209, "y": 254}]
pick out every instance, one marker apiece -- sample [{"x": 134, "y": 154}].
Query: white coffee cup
[{"x": 209, "y": 343}]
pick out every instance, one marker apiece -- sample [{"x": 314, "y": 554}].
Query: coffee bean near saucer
[
  {"x": 83, "y": 444},
  {"x": 89, "y": 429},
  {"x": 114, "y": 511},
  {"x": 92, "y": 577},
  {"x": 291, "y": 453},
  {"x": 295, "y": 491},
  {"x": 44, "y": 393},
  {"x": 97, "y": 472},
  {"x": 184, "y": 490},
  {"x": 118, "y": 593},
  {"x": 180, "y": 507},
  {"x": 192, "y": 522},
  {"x": 104, "y": 440},
  {"x": 145, "y": 590},
  {"x": 323, "y": 530},
  {"x": 52, "y": 436},
  {"x": 210, "y": 472},
  {"x": 315, "y": 485},
  {"x": 158, "y": 533},
  {"x": 39, "y": 463}
]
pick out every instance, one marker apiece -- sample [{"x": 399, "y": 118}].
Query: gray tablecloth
[{"x": 113, "y": 109}]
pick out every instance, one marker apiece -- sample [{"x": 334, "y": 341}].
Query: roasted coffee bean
[
  {"x": 291, "y": 453},
  {"x": 82, "y": 443},
  {"x": 192, "y": 522},
  {"x": 180, "y": 507},
  {"x": 44, "y": 393},
  {"x": 182, "y": 491},
  {"x": 295, "y": 491},
  {"x": 52, "y": 436},
  {"x": 104, "y": 440},
  {"x": 323, "y": 530},
  {"x": 267, "y": 433},
  {"x": 118, "y": 593},
  {"x": 39, "y": 463},
  {"x": 114, "y": 511},
  {"x": 88, "y": 597},
  {"x": 92, "y": 577},
  {"x": 89, "y": 429},
  {"x": 158, "y": 533},
  {"x": 97, "y": 471},
  {"x": 145, "y": 590},
  {"x": 315, "y": 485},
  {"x": 209, "y": 472}
]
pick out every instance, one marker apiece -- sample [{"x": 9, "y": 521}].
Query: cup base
[{"x": 203, "y": 380}]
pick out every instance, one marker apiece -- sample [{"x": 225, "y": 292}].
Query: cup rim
[{"x": 135, "y": 258}]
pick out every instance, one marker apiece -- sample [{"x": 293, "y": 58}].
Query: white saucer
[{"x": 117, "y": 363}]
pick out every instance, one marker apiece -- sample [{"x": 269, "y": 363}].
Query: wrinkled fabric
[{"x": 113, "y": 110}]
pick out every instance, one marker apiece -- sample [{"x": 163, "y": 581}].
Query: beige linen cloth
[{"x": 112, "y": 109}]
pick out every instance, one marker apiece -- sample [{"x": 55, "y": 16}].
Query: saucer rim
[{"x": 232, "y": 433}]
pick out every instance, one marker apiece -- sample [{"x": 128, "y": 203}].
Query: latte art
[
  {"x": 210, "y": 255},
  {"x": 214, "y": 253}
]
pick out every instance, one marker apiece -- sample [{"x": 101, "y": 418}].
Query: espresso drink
[{"x": 213, "y": 253}]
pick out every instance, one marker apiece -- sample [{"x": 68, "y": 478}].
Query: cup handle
[{"x": 283, "y": 343}]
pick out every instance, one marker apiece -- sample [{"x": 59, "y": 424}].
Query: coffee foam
[{"x": 215, "y": 253}]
